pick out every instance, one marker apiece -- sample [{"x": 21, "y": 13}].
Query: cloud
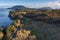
[
  {"x": 8, "y": 5},
  {"x": 54, "y": 5}
]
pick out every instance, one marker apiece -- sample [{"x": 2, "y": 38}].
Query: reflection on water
[{"x": 4, "y": 19}]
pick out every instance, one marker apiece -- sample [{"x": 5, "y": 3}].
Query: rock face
[
  {"x": 1, "y": 35},
  {"x": 24, "y": 35}
]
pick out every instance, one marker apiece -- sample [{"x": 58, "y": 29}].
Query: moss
[{"x": 8, "y": 37}]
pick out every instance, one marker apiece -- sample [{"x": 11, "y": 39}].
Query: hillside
[
  {"x": 18, "y": 7},
  {"x": 45, "y": 24},
  {"x": 32, "y": 24}
]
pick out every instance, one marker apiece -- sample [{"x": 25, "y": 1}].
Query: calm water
[{"x": 4, "y": 19}]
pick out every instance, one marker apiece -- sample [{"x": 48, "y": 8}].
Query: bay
[{"x": 4, "y": 19}]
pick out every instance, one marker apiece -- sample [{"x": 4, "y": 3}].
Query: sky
[{"x": 31, "y": 3}]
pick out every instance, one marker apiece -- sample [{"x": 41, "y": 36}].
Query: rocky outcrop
[
  {"x": 24, "y": 35},
  {"x": 1, "y": 35},
  {"x": 51, "y": 17}
]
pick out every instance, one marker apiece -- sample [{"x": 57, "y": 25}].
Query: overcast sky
[{"x": 31, "y": 3}]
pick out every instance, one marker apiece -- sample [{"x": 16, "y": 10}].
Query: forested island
[{"x": 31, "y": 24}]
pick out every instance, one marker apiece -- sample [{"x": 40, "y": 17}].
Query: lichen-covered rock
[
  {"x": 24, "y": 35},
  {"x": 1, "y": 35},
  {"x": 33, "y": 37}
]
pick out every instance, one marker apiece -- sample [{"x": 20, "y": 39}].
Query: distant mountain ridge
[
  {"x": 20, "y": 7},
  {"x": 46, "y": 8}
]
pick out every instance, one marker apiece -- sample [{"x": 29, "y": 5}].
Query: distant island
[{"x": 20, "y": 7}]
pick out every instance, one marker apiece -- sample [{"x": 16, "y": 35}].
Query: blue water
[{"x": 4, "y": 19}]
